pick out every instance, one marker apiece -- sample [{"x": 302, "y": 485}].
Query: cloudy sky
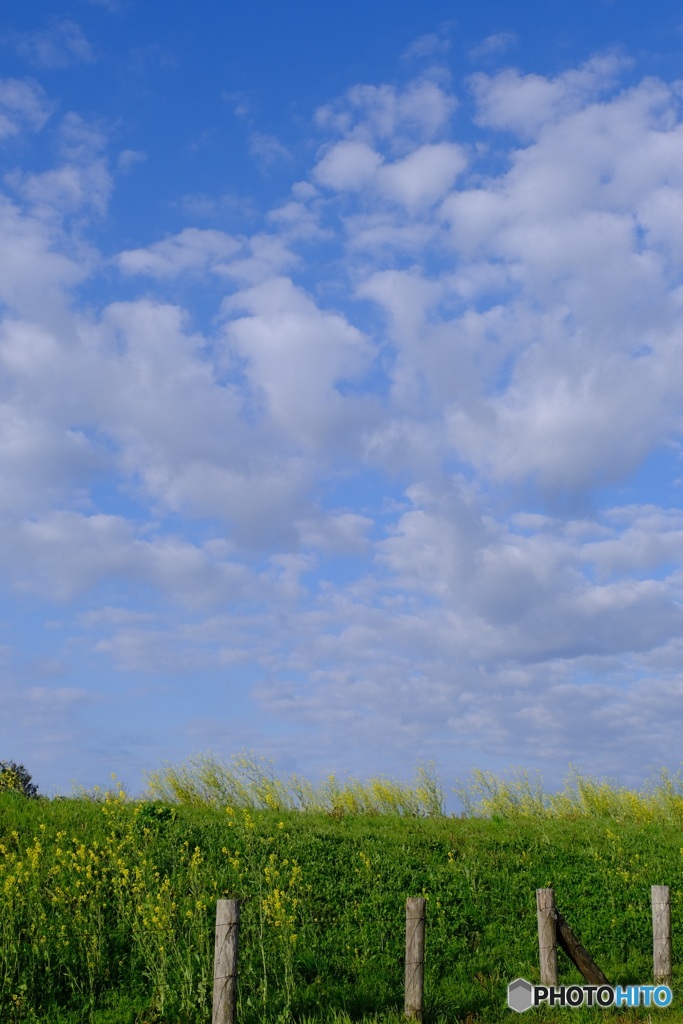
[{"x": 341, "y": 386}]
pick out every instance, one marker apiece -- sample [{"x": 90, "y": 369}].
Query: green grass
[{"x": 107, "y": 905}]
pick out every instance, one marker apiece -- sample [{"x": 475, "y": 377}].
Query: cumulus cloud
[
  {"x": 35, "y": 268},
  {"x": 296, "y": 220},
  {"x": 341, "y": 533},
  {"x": 63, "y": 554},
  {"x": 512, "y": 647},
  {"x": 81, "y": 182},
  {"x": 296, "y": 356},
  {"x": 192, "y": 249},
  {"x": 374, "y": 469},
  {"x": 419, "y": 179},
  {"x": 521, "y": 103},
  {"x": 423, "y": 176},
  {"x": 589, "y": 310},
  {"x": 348, "y": 165},
  {"x": 383, "y": 113}
]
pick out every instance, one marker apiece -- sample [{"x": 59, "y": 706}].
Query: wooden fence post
[
  {"x": 225, "y": 962},
  {"x": 547, "y": 936},
  {"x": 415, "y": 954},
  {"x": 661, "y": 934}
]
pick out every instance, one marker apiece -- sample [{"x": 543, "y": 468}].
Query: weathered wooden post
[
  {"x": 547, "y": 935},
  {"x": 661, "y": 934},
  {"x": 415, "y": 954},
  {"x": 225, "y": 962}
]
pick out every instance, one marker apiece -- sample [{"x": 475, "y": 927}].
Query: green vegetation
[
  {"x": 244, "y": 782},
  {"x": 15, "y": 777},
  {"x": 107, "y": 904}
]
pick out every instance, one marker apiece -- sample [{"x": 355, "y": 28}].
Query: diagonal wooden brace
[{"x": 576, "y": 953}]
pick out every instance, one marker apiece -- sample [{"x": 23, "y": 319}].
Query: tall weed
[
  {"x": 522, "y": 795},
  {"x": 247, "y": 782}
]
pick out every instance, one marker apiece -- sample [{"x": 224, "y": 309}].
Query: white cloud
[
  {"x": 61, "y": 700},
  {"x": 382, "y": 232},
  {"x": 341, "y": 533},
  {"x": 348, "y": 166},
  {"x": 82, "y": 181},
  {"x": 23, "y": 107},
  {"x": 341, "y": 476},
  {"x": 128, "y": 158},
  {"x": 263, "y": 256},
  {"x": 109, "y": 615},
  {"x": 146, "y": 650},
  {"x": 383, "y": 113},
  {"x": 521, "y": 103},
  {"x": 420, "y": 178},
  {"x": 216, "y": 208},
  {"x": 424, "y": 176},
  {"x": 69, "y": 188},
  {"x": 295, "y": 356},
  {"x": 65, "y": 554},
  {"x": 406, "y": 296},
  {"x": 512, "y": 646},
  {"x": 493, "y": 46},
  {"x": 641, "y": 539},
  {"x": 297, "y": 221},
  {"x": 192, "y": 249},
  {"x": 267, "y": 150},
  {"x": 34, "y": 269},
  {"x": 536, "y": 596},
  {"x": 56, "y": 48},
  {"x": 242, "y": 104},
  {"x": 429, "y": 45},
  {"x": 588, "y": 309}
]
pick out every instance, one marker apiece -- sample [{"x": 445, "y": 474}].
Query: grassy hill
[{"x": 107, "y": 904}]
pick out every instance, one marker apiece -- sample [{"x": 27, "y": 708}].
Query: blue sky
[{"x": 341, "y": 387}]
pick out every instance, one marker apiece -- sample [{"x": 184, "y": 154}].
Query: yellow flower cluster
[
  {"x": 279, "y": 903},
  {"x": 62, "y": 897}
]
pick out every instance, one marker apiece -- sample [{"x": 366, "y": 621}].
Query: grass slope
[{"x": 107, "y": 909}]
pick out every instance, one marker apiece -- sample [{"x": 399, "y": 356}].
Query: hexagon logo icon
[{"x": 520, "y": 995}]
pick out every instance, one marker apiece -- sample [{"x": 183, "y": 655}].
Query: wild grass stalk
[
  {"x": 522, "y": 795},
  {"x": 246, "y": 782}
]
